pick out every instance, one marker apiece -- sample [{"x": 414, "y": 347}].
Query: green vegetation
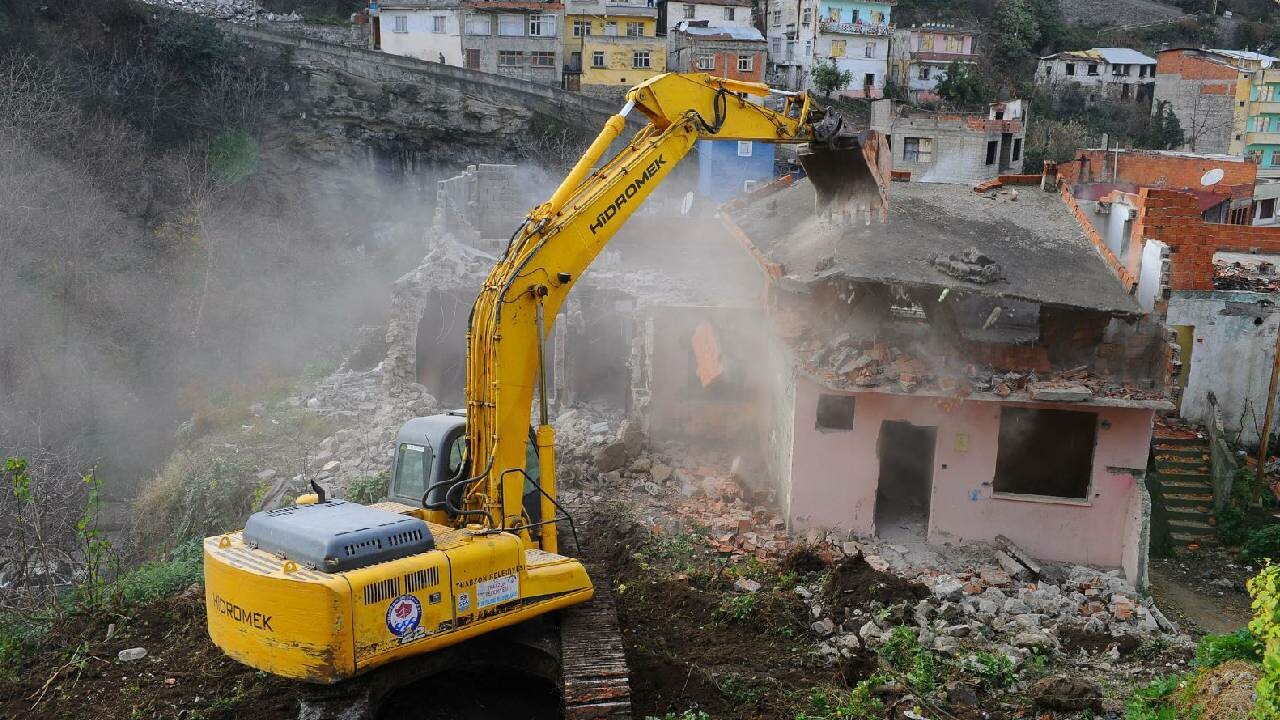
[
  {"x": 686, "y": 715},
  {"x": 158, "y": 579},
  {"x": 962, "y": 86},
  {"x": 859, "y": 704},
  {"x": 1158, "y": 700},
  {"x": 369, "y": 488},
  {"x": 994, "y": 670},
  {"x": 1262, "y": 544},
  {"x": 1213, "y": 650},
  {"x": 828, "y": 77},
  {"x": 1265, "y": 626},
  {"x": 736, "y": 608}
]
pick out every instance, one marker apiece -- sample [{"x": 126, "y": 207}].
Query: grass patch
[
  {"x": 158, "y": 579},
  {"x": 1213, "y": 650}
]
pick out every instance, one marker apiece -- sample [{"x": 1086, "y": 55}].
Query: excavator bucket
[{"x": 849, "y": 171}]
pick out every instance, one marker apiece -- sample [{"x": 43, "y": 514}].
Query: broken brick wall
[
  {"x": 1173, "y": 218},
  {"x": 1155, "y": 169}
]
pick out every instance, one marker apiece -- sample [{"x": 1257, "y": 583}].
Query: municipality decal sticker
[{"x": 403, "y": 615}]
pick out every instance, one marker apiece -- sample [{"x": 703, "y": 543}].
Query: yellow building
[{"x": 610, "y": 45}]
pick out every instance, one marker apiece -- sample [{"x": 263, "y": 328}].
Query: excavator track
[{"x": 596, "y": 681}]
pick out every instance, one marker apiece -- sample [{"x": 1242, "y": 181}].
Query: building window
[
  {"x": 542, "y": 58},
  {"x": 837, "y": 48},
  {"x": 542, "y": 25},
  {"x": 479, "y": 25},
  {"x": 597, "y": 59},
  {"x": 640, "y": 59},
  {"x": 744, "y": 63},
  {"x": 635, "y": 29},
  {"x": 775, "y": 46},
  {"x": 992, "y": 147},
  {"x": 808, "y": 48},
  {"x": 1071, "y": 68},
  {"x": 870, "y": 50},
  {"x": 1045, "y": 452},
  {"x": 1016, "y": 154},
  {"x": 706, "y": 62},
  {"x": 1093, "y": 69},
  {"x": 400, "y": 23},
  {"x": 511, "y": 25},
  {"x": 744, "y": 148},
  {"x": 777, "y": 17},
  {"x": 915, "y": 149},
  {"x": 835, "y": 412},
  {"x": 611, "y": 28},
  {"x": 806, "y": 16},
  {"x": 689, "y": 10},
  {"x": 581, "y": 28},
  {"x": 924, "y": 72},
  {"x": 1048, "y": 70},
  {"x": 437, "y": 23},
  {"x": 510, "y": 58},
  {"x": 1267, "y": 209},
  {"x": 728, "y": 13}
]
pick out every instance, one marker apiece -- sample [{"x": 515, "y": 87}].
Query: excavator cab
[{"x": 431, "y": 454}]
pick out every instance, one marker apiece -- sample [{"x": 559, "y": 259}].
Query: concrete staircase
[{"x": 1182, "y": 464}]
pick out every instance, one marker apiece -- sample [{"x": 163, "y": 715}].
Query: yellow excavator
[{"x": 325, "y": 589}]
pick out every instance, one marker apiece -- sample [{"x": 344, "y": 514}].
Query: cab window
[
  {"x": 533, "y": 471},
  {"x": 413, "y": 462},
  {"x": 457, "y": 455}
]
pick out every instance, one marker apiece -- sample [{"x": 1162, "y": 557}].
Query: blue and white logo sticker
[{"x": 403, "y": 615}]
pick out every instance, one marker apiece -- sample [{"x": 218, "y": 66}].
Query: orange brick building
[{"x": 734, "y": 52}]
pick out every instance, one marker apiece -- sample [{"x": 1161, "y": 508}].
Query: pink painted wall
[{"x": 834, "y": 476}]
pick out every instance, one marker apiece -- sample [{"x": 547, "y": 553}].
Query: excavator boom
[{"x": 325, "y": 590}]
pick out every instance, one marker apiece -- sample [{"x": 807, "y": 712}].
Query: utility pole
[{"x": 1268, "y": 419}]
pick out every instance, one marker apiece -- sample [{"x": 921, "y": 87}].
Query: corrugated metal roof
[
  {"x": 1246, "y": 55},
  {"x": 1115, "y": 56}
]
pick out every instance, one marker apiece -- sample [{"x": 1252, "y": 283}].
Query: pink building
[
  {"x": 970, "y": 368},
  {"x": 921, "y": 55}
]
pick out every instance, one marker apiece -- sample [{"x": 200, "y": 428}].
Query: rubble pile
[
  {"x": 236, "y": 11},
  {"x": 970, "y": 265},
  {"x": 1259, "y": 278},
  {"x": 844, "y": 362}
]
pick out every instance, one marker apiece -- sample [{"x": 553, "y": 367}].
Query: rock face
[{"x": 1067, "y": 692}]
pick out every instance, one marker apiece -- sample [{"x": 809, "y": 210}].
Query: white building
[
  {"x": 717, "y": 13},
  {"x": 423, "y": 29},
  {"x": 1103, "y": 73}
]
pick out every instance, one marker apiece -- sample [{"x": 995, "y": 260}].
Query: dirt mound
[
  {"x": 1075, "y": 638},
  {"x": 855, "y": 584},
  {"x": 183, "y": 674},
  {"x": 1226, "y": 691},
  {"x": 803, "y": 559}
]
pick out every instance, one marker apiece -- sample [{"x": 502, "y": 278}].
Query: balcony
[
  {"x": 1258, "y": 107},
  {"x": 1264, "y": 138},
  {"x": 856, "y": 28}
]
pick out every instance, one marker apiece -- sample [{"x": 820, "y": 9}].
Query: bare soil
[
  {"x": 75, "y": 672},
  {"x": 855, "y": 584}
]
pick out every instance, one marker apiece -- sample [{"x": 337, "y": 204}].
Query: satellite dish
[
  {"x": 1213, "y": 177},
  {"x": 687, "y": 204}
]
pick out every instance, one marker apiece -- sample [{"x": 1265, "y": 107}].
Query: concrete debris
[
  {"x": 747, "y": 585},
  {"x": 970, "y": 265},
  {"x": 1067, "y": 692},
  {"x": 1059, "y": 392}
]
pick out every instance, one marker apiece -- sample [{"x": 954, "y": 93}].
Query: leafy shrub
[
  {"x": 369, "y": 488},
  {"x": 1231, "y": 526},
  {"x": 1214, "y": 650},
  {"x": 154, "y": 580},
  {"x": 1262, "y": 544},
  {"x": 900, "y": 649},
  {"x": 1156, "y": 701},
  {"x": 1265, "y": 625},
  {"x": 860, "y": 704}
]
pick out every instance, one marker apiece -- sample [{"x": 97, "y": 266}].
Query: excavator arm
[{"x": 558, "y": 241}]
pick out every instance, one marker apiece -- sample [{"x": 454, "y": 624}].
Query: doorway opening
[{"x": 906, "y": 478}]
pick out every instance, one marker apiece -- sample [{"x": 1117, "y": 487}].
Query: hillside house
[
  {"x": 1100, "y": 74},
  {"x": 919, "y": 57},
  {"x": 953, "y": 147}
]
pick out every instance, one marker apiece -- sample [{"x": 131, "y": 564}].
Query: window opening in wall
[
  {"x": 543, "y": 58},
  {"x": 542, "y": 25},
  {"x": 1045, "y": 452},
  {"x": 992, "y": 147},
  {"x": 1071, "y": 68},
  {"x": 597, "y": 59},
  {"x": 689, "y": 9},
  {"x": 437, "y": 23},
  {"x": 744, "y": 63},
  {"x": 835, "y": 412},
  {"x": 728, "y": 13},
  {"x": 706, "y": 62},
  {"x": 917, "y": 149},
  {"x": 1267, "y": 209},
  {"x": 1093, "y": 68},
  {"x": 1017, "y": 149},
  {"x": 838, "y": 48},
  {"x": 870, "y": 51},
  {"x": 511, "y": 25},
  {"x": 400, "y": 23},
  {"x": 509, "y": 58},
  {"x": 581, "y": 28},
  {"x": 744, "y": 148},
  {"x": 640, "y": 59},
  {"x": 479, "y": 25},
  {"x": 635, "y": 29}
]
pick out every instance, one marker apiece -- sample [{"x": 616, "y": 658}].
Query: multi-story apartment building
[
  {"x": 514, "y": 38},
  {"x": 1104, "y": 74},
  {"x": 918, "y": 57},
  {"x": 1224, "y": 101},
  {"x": 852, "y": 34},
  {"x": 610, "y": 45}
]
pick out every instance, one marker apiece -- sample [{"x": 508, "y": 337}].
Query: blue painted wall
[
  {"x": 722, "y": 171},
  {"x": 871, "y": 13}
]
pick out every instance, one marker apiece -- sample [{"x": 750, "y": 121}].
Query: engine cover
[{"x": 337, "y": 535}]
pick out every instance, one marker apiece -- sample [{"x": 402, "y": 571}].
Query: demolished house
[{"x": 970, "y": 368}]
